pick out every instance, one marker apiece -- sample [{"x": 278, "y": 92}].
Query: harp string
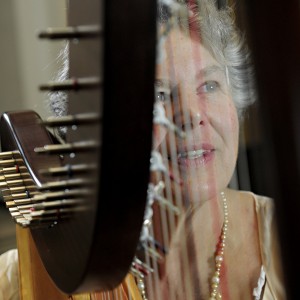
[
  {"x": 183, "y": 197},
  {"x": 170, "y": 156}
]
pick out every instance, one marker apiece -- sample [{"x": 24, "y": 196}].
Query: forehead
[{"x": 183, "y": 54}]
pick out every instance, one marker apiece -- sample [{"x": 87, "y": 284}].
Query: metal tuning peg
[
  {"x": 13, "y": 170},
  {"x": 7, "y": 162},
  {"x": 70, "y": 120},
  {"x": 15, "y": 183},
  {"x": 47, "y": 205},
  {"x": 7, "y": 155},
  {"x": 69, "y": 170},
  {"x": 82, "y": 146},
  {"x": 75, "y": 32},
  {"x": 24, "y": 195},
  {"x": 64, "y": 184},
  {"x": 74, "y": 84},
  {"x": 20, "y": 189},
  {"x": 18, "y": 202},
  {"x": 44, "y": 217}
]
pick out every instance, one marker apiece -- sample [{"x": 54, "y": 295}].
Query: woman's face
[{"x": 201, "y": 105}]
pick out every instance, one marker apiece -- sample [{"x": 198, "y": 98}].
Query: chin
[{"x": 200, "y": 190}]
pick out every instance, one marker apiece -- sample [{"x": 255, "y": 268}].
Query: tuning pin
[
  {"x": 24, "y": 212},
  {"x": 69, "y": 170},
  {"x": 7, "y": 162},
  {"x": 24, "y": 195},
  {"x": 16, "y": 214},
  {"x": 79, "y": 119},
  {"x": 43, "y": 213},
  {"x": 21, "y": 207},
  {"x": 72, "y": 84},
  {"x": 56, "y": 204},
  {"x": 15, "y": 183},
  {"x": 46, "y": 218},
  {"x": 64, "y": 184},
  {"x": 68, "y": 148},
  {"x": 9, "y": 204},
  {"x": 65, "y": 195},
  {"x": 13, "y": 209},
  {"x": 7, "y": 155},
  {"x": 35, "y": 220},
  {"x": 20, "y": 189},
  {"x": 5, "y": 192},
  {"x": 15, "y": 176},
  {"x": 14, "y": 203},
  {"x": 27, "y": 222},
  {"x": 28, "y": 208},
  {"x": 53, "y": 212},
  {"x": 13, "y": 170},
  {"x": 84, "y": 31}
]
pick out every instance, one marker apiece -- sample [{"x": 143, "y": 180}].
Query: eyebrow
[
  {"x": 209, "y": 70},
  {"x": 165, "y": 83},
  {"x": 162, "y": 83}
]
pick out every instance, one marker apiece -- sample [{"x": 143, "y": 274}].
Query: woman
[{"x": 225, "y": 244}]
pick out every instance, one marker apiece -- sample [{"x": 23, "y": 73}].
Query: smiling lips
[{"x": 196, "y": 157}]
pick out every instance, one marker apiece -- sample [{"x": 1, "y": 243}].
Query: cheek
[
  {"x": 231, "y": 138},
  {"x": 229, "y": 124},
  {"x": 234, "y": 127}
]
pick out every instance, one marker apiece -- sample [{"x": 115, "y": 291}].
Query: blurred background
[{"x": 25, "y": 63}]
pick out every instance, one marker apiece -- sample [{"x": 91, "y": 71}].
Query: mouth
[
  {"x": 196, "y": 157},
  {"x": 194, "y": 154}
]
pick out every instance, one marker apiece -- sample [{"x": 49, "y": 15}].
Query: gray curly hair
[{"x": 219, "y": 34}]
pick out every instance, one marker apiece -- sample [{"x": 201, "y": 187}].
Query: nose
[
  {"x": 189, "y": 112},
  {"x": 198, "y": 119},
  {"x": 191, "y": 119}
]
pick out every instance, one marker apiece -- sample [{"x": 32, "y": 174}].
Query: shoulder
[
  {"x": 269, "y": 242},
  {"x": 264, "y": 205},
  {"x": 265, "y": 215},
  {"x": 9, "y": 288},
  {"x": 261, "y": 206}
]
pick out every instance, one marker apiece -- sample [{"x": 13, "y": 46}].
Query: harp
[
  {"x": 67, "y": 207},
  {"x": 155, "y": 248},
  {"x": 99, "y": 35}
]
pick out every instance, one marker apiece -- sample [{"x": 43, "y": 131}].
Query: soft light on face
[{"x": 193, "y": 87}]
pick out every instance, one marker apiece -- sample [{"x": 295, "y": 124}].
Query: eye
[
  {"x": 162, "y": 95},
  {"x": 210, "y": 86}
]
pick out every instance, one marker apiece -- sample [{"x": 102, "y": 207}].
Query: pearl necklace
[{"x": 215, "y": 281}]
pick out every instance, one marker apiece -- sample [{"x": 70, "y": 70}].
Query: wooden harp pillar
[{"x": 124, "y": 50}]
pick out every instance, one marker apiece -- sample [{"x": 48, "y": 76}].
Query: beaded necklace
[{"x": 219, "y": 258}]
